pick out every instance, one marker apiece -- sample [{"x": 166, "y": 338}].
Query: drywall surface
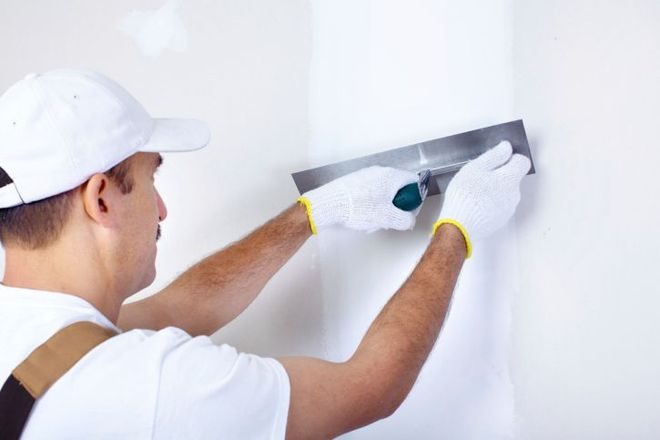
[
  {"x": 158, "y": 30},
  {"x": 387, "y": 74},
  {"x": 585, "y": 322},
  {"x": 289, "y": 85}
]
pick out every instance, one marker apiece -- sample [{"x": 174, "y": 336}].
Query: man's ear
[{"x": 100, "y": 200}]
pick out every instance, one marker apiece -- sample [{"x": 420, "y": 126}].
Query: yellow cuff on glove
[
  {"x": 308, "y": 206},
  {"x": 468, "y": 243}
]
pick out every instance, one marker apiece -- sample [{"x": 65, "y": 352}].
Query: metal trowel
[{"x": 435, "y": 161}]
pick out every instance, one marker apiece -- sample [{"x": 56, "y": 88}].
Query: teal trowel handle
[{"x": 408, "y": 197}]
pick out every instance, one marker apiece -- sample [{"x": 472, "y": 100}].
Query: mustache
[{"x": 158, "y": 233}]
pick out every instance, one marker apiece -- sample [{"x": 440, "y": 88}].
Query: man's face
[{"x": 142, "y": 210}]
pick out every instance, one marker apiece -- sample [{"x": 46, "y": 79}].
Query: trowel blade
[{"x": 443, "y": 156}]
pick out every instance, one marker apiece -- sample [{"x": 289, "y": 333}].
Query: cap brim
[{"x": 177, "y": 135}]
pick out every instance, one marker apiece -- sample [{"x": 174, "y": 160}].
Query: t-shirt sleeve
[{"x": 214, "y": 391}]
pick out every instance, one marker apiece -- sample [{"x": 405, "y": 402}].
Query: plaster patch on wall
[
  {"x": 157, "y": 30},
  {"x": 385, "y": 74}
]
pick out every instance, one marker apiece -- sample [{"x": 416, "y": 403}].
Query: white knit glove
[
  {"x": 484, "y": 194},
  {"x": 361, "y": 200}
]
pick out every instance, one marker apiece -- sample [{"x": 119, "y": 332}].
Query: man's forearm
[
  {"x": 214, "y": 291},
  {"x": 403, "y": 334},
  {"x": 376, "y": 379}
]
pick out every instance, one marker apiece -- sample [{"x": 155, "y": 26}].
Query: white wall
[
  {"x": 586, "y": 335},
  {"x": 290, "y": 85}
]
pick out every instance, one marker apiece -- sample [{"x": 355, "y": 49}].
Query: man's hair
[{"x": 39, "y": 224}]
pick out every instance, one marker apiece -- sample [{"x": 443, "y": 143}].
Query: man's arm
[
  {"x": 214, "y": 291},
  {"x": 218, "y": 288},
  {"x": 328, "y": 399}
]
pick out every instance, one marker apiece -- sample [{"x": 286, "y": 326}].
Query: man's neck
[{"x": 63, "y": 270}]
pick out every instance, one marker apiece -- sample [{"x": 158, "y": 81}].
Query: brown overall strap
[{"x": 42, "y": 368}]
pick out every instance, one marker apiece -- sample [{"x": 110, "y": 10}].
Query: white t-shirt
[{"x": 141, "y": 384}]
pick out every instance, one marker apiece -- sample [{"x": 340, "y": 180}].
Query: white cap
[{"x": 59, "y": 128}]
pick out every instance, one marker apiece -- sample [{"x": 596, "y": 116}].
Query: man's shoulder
[{"x": 146, "y": 348}]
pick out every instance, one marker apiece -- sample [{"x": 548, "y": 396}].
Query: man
[{"x": 79, "y": 222}]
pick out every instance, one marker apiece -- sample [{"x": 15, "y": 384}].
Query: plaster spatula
[{"x": 441, "y": 157}]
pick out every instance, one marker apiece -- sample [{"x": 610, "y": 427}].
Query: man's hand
[
  {"x": 361, "y": 200},
  {"x": 484, "y": 194}
]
